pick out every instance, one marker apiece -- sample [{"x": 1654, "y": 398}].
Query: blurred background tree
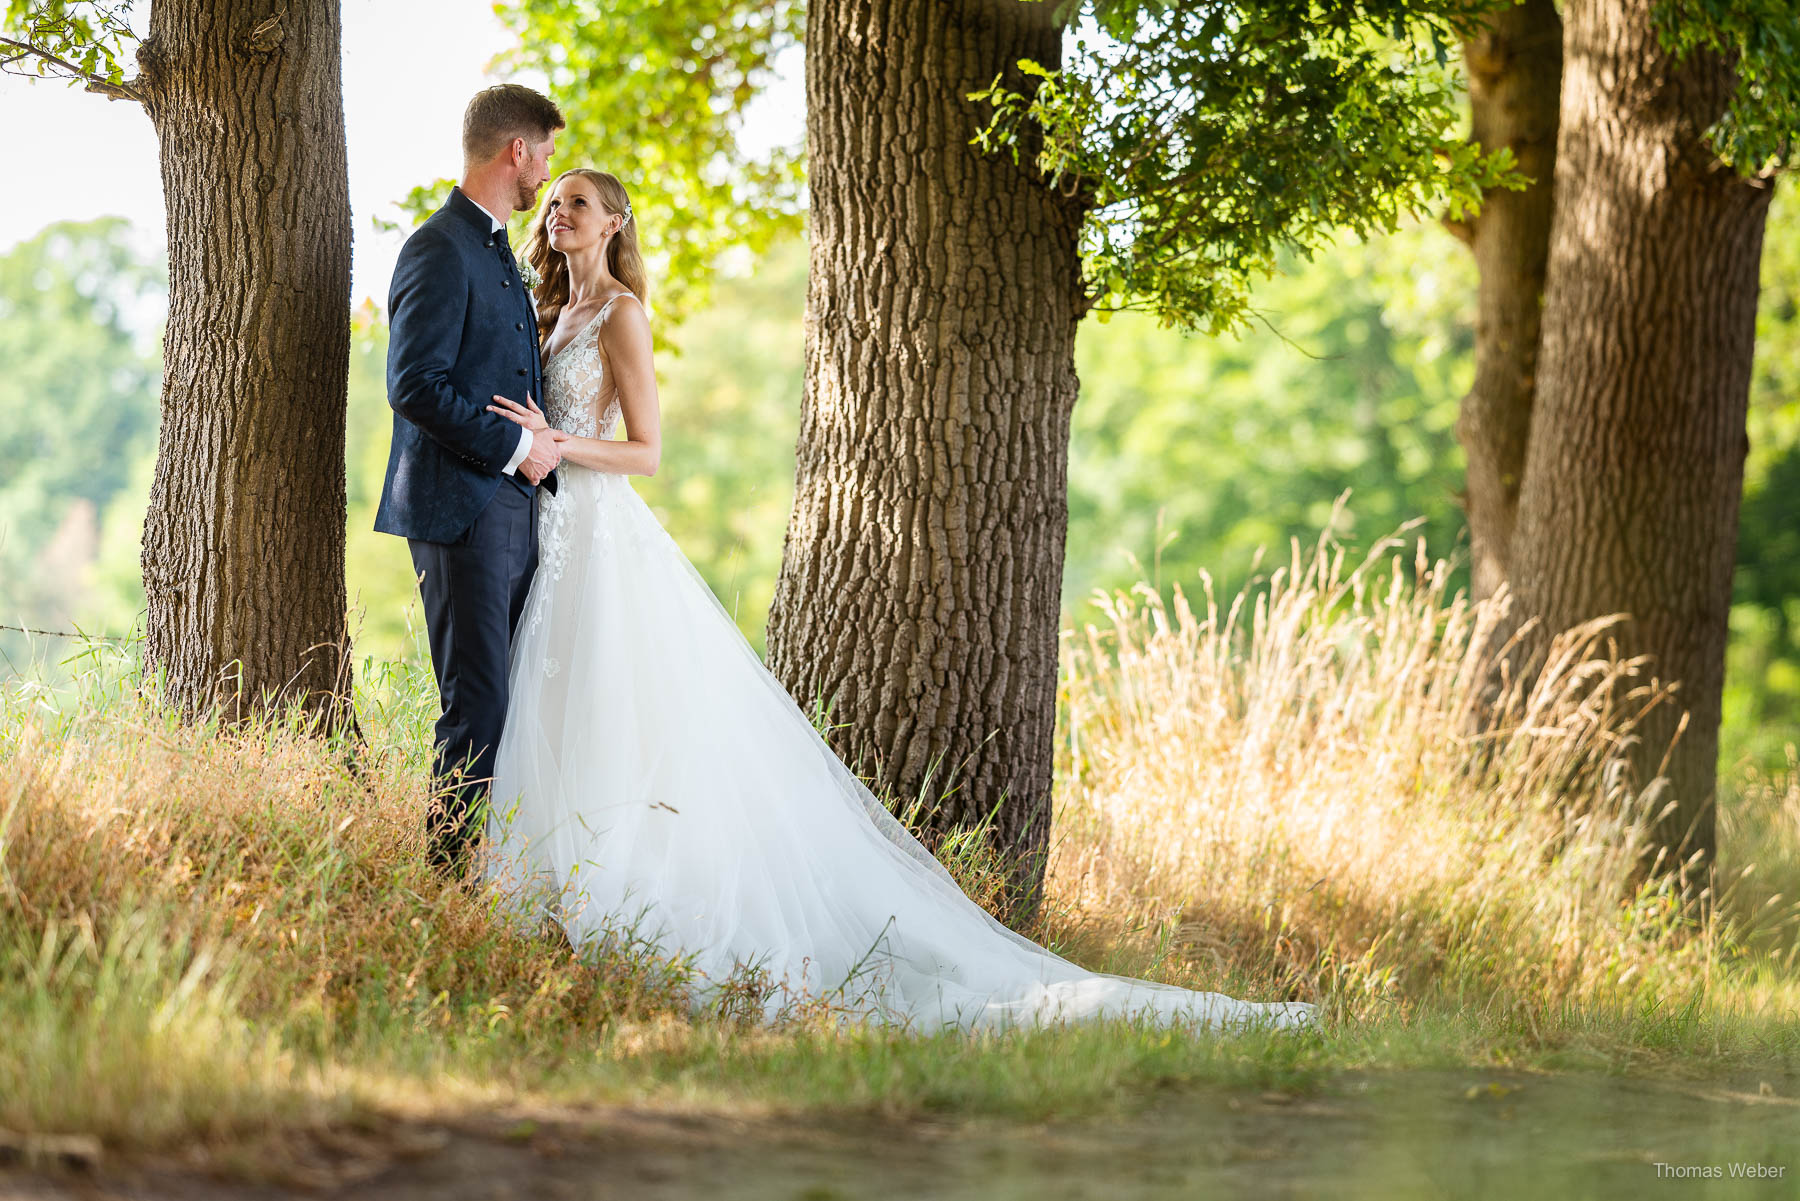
[
  {"x": 1231, "y": 443},
  {"x": 1762, "y": 673},
  {"x": 81, "y": 309},
  {"x": 1189, "y": 454}
]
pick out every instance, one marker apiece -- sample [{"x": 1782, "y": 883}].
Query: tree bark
[
  {"x": 919, "y": 587},
  {"x": 1634, "y": 466},
  {"x": 243, "y": 553},
  {"x": 1515, "y": 80}
]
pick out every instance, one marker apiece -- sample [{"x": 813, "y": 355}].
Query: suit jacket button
[
  {"x": 518, "y": 325},
  {"x": 506, "y": 283},
  {"x": 521, "y": 371}
]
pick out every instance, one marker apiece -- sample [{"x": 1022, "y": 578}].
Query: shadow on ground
[{"x": 1390, "y": 1135}]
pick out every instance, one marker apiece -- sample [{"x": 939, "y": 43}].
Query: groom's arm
[{"x": 427, "y": 307}]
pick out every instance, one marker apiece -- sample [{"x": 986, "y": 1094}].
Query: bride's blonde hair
[{"x": 623, "y": 258}]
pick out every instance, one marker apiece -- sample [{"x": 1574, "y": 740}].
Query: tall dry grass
[
  {"x": 220, "y": 917},
  {"x": 1297, "y": 783}
]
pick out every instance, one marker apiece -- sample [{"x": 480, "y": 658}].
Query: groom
[{"x": 461, "y": 481}]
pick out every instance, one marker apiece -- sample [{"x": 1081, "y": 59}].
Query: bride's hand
[{"x": 532, "y": 417}]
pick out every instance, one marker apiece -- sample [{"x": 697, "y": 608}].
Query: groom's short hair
[{"x": 501, "y": 113}]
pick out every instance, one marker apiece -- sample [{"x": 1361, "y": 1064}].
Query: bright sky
[{"x": 409, "y": 68}]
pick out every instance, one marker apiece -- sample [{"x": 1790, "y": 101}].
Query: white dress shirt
[{"x": 524, "y": 434}]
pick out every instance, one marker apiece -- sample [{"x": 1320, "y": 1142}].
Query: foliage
[
  {"x": 79, "y": 398},
  {"x": 378, "y": 576},
  {"x": 1762, "y": 679},
  {"x": 1210, "y": 138},
  {"x": 1191, "y": 455},
  {"x": 1762, "y": 39},
  {"x": 655, "y": 92},
  {"x": 731, "y": 416},
  {"x": 70, "y": 39}
]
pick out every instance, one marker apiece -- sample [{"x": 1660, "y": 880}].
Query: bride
[{"x": 652, "y": 771}]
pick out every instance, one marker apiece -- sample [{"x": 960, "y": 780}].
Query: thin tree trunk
[
  {"x": 1635, "y": 462},
  {"x": 919, "y": 588},
  {"x": 1515, "y": 80},
  {"x": 243, "y": 552}
]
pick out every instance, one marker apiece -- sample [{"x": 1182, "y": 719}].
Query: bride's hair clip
[{"x": 627, "y": 220}]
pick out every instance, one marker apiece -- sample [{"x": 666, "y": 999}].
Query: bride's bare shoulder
[{"x": 626, "y": 322}]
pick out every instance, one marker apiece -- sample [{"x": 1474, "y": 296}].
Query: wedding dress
[{"x": 654, "y": 773}]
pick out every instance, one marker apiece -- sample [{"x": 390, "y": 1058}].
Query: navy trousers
[{"x": 474, "y": 590}]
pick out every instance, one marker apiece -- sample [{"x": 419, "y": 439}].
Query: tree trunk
[
  {"x": 919, "y": 587},
  {"x": 243, "y": 551},
  {"x": 1515, "y": 79},
  {"x": 1634, "y": 467}
]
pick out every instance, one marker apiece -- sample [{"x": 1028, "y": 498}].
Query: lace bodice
[
  {"x": 579, "y": 400},
  {"x": 575, "y": 383}
]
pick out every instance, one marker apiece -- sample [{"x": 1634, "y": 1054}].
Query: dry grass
[
  {"x": 213, "y": 933},
  {"x": 1295, "y": 785},
  {"x": 1759, "y": 831},
  {"x": 246, "y": 902}
]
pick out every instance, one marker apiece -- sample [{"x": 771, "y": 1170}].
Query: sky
[{"x": 409, "y": 68}]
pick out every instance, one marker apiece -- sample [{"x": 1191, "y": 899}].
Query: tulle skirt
[{"x": 654, "y": 777}]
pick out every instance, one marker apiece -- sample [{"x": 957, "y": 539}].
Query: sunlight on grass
[
  {"x": 1298, "y": 787},
  {"x": 210, "y": 932}
]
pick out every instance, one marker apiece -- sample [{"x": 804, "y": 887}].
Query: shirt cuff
[{"x": 519, "y": 454}]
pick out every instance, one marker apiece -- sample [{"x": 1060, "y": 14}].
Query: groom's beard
[{"x": 527, "y": 192}]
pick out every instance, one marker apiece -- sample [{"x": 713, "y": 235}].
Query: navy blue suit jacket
[{"x": 460, "y": 332}]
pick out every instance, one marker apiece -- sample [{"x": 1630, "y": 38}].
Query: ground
[{"x": 1423, "y": 1134}]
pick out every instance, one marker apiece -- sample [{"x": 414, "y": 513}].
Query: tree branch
[
  {"x": 95, "y": 83},
  {"x": 1463, "y": 230}
]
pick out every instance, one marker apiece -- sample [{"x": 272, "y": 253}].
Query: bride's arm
[{"x": 625, "y": 337}]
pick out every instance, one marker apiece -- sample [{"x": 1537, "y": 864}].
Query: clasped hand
[{"x": 546, "y": 443}]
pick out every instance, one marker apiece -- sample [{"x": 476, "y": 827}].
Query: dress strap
[{"x": 600, "y": 317}]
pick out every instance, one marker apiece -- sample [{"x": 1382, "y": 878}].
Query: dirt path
[{"x": 1375, "y": 1135}]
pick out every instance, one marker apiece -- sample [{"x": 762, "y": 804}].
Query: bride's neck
[{"x": 588, "y": 275}]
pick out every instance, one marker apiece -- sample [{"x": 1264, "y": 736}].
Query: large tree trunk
[
  {"x": 1635, "y": 460},
  {"x": 1515, "y": 80},
  {"x": 243, "y": 551},
  {"x": 919, "y": 588}
]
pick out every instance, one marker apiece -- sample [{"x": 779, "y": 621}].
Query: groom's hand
[{"x": 546, "y": 453}]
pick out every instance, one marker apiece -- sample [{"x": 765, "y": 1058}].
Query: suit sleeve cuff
[{"x": 512, "y": 464}]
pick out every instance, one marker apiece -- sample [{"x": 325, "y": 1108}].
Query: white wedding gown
[{"x": 653, "y": 772}]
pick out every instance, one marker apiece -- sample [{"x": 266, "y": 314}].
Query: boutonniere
[{"x": 529, "y": 277}]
